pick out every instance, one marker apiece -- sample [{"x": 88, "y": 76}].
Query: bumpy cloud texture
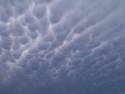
[{"x": 62, "y": 47}]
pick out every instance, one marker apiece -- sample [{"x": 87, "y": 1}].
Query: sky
[{"x": 62, "y": 47}]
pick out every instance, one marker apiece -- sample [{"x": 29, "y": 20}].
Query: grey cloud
[{"x": 62, "y": 46}]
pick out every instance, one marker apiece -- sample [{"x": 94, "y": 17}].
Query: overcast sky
[{"x": 62, "y": 46}]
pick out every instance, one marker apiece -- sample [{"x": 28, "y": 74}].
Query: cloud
[{"x": 62, "y": 46}]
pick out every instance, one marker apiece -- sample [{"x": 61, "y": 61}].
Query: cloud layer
[{"x": 62, "y": 46}]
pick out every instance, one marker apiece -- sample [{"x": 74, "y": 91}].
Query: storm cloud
[{"x": 62, "y": 47}]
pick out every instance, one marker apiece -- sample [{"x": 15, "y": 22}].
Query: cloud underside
[{"x": 62, "y": 46}]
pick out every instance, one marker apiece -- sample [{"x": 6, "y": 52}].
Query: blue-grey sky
[{"x": 62, "y": 46}]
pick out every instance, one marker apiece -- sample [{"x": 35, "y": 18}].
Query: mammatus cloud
[{"x": 62, "y": 46}]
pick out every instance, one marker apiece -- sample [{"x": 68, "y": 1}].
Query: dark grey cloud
[{"x": 62, "y": 46}]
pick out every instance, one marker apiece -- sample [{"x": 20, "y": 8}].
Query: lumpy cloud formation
[{"x": 62, "y": 46}]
